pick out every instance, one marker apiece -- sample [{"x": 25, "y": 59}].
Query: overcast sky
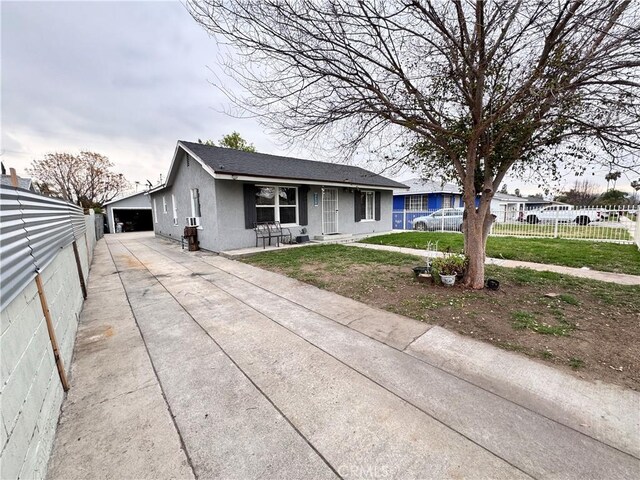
[{"x": 125, "y": 79}]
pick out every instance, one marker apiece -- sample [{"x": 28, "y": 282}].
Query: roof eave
[
  {"x": 114, "y": 200},
  {"x": 258, "y": 178}
]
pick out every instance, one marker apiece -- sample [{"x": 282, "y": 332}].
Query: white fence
[{"x": 619, "y": 223}]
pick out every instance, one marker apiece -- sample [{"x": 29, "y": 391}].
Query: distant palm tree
[{"x": 612, "y": 177}]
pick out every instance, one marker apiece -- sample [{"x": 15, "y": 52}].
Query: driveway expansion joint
[
  {"x": 155, "y": 372},
  {"x": 264, "y": 376},
  {"x": 244, "y": 373},
  {"x": 403, "y": 350},
  {"x": 416, "y": 358}
]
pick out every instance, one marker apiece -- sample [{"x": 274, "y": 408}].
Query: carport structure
[{"x": 191, "y": 365}]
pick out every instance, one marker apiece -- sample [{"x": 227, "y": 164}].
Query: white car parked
[{"x": 563, "y": 214}]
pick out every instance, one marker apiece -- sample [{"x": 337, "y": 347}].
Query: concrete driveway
[{"x": 195, "y": 366}]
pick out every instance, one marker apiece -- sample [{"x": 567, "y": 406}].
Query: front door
[{"x": 329, "y": 211}]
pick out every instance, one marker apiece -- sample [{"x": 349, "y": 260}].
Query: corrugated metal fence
[
  {"x": 34, "y": 229},
  {"x": 99, "y": 226}
]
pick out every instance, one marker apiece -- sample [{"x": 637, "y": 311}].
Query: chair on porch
[
  {"x": 262, "y": 232},
  {"x": 281, "y": 233}
]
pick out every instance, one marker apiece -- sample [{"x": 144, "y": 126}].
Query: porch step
[{"x": 334, "y": 238}]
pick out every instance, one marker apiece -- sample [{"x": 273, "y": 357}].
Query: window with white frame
[
  {"x": 164, "y": 204},
  {"x": 277, "y": 204},
  {"x": 447, "y": 201},
  {"x": 195, "y": 203},
  {"x": 367, "y": 205},
  {"x": 417, "y": 203},
  {"x": 155, "y": 210},
  {"x": 175, "y": 209}
]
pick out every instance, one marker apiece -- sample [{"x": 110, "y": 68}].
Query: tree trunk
[
  {"x": 476, "y": 231},
  {"x": 474, "y": 248}
]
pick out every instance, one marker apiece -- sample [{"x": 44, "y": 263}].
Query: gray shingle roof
[
  {"x": 236, "y": 162},
  {"x": 505, "y": 197},
  {"x": 418, "y": 185},
  {"x": 22, "y": 182}
]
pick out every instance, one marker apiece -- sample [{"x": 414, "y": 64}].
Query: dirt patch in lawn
[{"x": 584, "y": 327}]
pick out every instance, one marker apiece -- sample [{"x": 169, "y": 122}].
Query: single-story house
[
  {"x": 225, "y": 192},
  {"x": 426, "y": 196},
  {"x": 129, "y": 213},
  {"x": 25, "y": 183},
  {"x": 423, "y": 196},
  {"x": 506, "y": 207}
]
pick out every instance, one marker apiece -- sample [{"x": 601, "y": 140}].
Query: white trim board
[
  {"x": 116, "y": 200},
  {"x": 296, "y": 181}
]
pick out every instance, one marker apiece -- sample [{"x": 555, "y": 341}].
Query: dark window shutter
[
  {"x": 303, "y": 214},
  {"x": 377, "y": 208},
  {"x": 249, "y": 206},
  {"x": 357, "y": 204}
]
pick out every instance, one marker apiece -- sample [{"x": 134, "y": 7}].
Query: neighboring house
[
  {"x": 225, "y": 192},
  {"x": 423, "y": 196},
  {"x": 24, "y": 183},
  {"x": 131, "y": 213},
  {"x": 506, "y": 207},
  {"x": 426, "y": 196}
]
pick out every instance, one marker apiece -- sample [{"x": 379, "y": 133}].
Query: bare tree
[
  {"x": 582, "y": 193},
  {"x": 467, "y": 89},
  {"x": 84, "y": 179}
]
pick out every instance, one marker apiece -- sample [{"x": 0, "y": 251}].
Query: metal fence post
[
  {"x": 636, "y": 233},
  {"x": 404, "y": 219},
  {"x": 555, "y": 227}
]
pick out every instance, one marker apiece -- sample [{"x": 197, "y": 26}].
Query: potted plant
[
  {"x": 448, "y": 267},
  {"x": 423, "y": 269}
]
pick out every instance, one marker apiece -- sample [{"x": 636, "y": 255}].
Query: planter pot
[
  {"x": 419, "y": 270},
  {"x": 448, "y": 280},
  {"x": 424, "y": 277}
]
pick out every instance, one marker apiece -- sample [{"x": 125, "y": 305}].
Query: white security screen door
[{"x": 329, "y": 210}]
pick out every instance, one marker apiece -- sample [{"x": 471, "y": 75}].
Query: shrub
[{"x": 451, "y": 264}]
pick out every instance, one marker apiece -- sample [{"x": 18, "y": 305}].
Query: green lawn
[
  {"x": 565, "y": 231},
  {"x": 607, "y": 257}
]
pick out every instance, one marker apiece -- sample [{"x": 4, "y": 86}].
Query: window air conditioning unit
[{"x": 193, "y": 221}]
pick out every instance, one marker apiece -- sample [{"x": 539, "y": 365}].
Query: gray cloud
[{"x": 125, "y": 79}]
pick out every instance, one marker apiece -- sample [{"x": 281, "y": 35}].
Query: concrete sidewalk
[
  {"x": 619, "y": 278},
  {"x": 262, "y": 376}
]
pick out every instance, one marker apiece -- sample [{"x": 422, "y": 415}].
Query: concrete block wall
[{"x": 30, "y": 390}]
